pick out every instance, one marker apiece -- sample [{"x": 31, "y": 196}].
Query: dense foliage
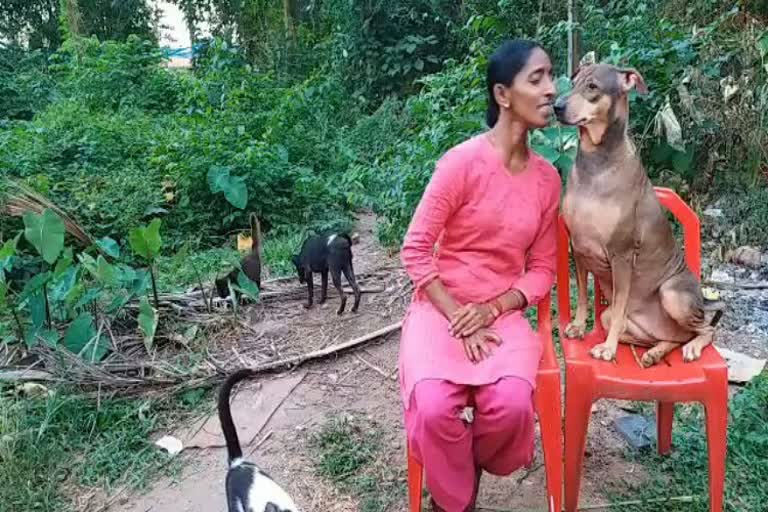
[{"x": 307, "y": 111}]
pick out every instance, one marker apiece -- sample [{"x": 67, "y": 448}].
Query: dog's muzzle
[{"x": 559, "y": 108}]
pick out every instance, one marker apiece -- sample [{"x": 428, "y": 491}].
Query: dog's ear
[{"x": 629, "y": 78}]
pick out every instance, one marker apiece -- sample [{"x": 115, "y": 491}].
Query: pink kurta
[{"x": 495, "y": 231}]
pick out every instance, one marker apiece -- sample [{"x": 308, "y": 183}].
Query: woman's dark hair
[{"x": 503, "y": 66}]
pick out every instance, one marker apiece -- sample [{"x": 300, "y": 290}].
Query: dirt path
[{"x": 348, "y": 386}]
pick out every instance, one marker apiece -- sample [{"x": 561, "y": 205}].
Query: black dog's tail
[
  {"x": 234, "y": 451},
  {"x": 255, "y": 233}
]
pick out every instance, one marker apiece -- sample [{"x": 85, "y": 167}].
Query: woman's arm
[
  {"x": 442, "y": 198},
  {"x": 541, "y": 261}
]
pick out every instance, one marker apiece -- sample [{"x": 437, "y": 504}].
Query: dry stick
[
  {"x": 737, "y": 286},
  {"x": 374, "y": 367},
  {"x": 318, "y": 354},
  {"x": 678, "y": 499}
]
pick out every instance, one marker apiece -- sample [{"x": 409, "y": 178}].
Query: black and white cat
[{"x": 249, "y": 489}]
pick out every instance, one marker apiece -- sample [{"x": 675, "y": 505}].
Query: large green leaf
[
  {"x": 46, "y": 233},
  {"x": 34, "y": 285},
  {"x": 48, "y": 336},
  {"x": 64, "y": 262},
  {"x": 63, "y": 284},
  {"x": 105, "y": 272},
  {"x": 79, "y": 333},
  {"x": 109, "y": 246},
  {"x": 95, "y": 350},
  {"x": 147, "y": 323},
  {"x": 145, "y": 240},
  {"x": 233, "y": 187},
  {"x": 246, "y": 286},
  {"x": 682, "y": 161},
  {"x": 82, "y": 339}
]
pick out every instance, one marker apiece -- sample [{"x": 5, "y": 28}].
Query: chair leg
[
  {"x": 415, "y": 483},
  {"x": 716, "y": 409},
  {"x": 665, "y": 412},
  {"x": 578, "y": 405},
  {"x": 550, "y": 423}
]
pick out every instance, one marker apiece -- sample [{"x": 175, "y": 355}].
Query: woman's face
[{"x": 529, "y": 98}]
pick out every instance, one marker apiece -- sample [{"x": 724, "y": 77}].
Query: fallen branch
[
  {"x": 24, "y": 375},
  {"x": 737, "y": 286},
  {"x": 319, "y": 354},
  {"x": 603, "y": 506},
  {"x": 677, "y": 499}
]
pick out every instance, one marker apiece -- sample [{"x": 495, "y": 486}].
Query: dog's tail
[
  {"x": 255, "y": 233},
  {"x": 234, "y": 451}
]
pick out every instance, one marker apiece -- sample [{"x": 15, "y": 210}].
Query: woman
[{"x": 491, "y": 208}]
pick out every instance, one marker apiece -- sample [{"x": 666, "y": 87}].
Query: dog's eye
[{"x": 592, "y": 86}]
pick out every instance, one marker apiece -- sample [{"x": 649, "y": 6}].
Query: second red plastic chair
[{"x": 670, "y": 381}]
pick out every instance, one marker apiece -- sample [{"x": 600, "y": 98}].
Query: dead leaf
[{"x": 666, "y": 123}]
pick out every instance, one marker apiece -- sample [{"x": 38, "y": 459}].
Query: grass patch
[
  {"x": 52, "y": 446},
  {"x": 684, "y": 472},
  {"x": 350, "y": 454}
]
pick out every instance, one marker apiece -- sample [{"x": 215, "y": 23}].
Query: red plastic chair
[
  {"x": 670, "y": 381},
  {"x": 548, "y": 407}
]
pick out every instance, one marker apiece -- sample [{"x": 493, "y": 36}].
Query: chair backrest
[{"x": 691, "y": 244}]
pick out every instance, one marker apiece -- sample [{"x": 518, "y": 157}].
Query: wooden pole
[{"x": 574, "y": 42}]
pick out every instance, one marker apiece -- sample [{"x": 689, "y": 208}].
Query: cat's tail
[{"x": 234, "y": 451}]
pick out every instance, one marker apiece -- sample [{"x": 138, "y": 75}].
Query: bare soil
[{"x": 363, "y": 384}]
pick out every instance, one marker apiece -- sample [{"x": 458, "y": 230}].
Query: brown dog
[{"x": 619, "y": 231}]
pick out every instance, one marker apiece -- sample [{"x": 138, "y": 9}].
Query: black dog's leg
[
  {"x": 349, "y": 273},
  {"x": 336, "y": 276},
  {"x": 310, "y": 289},
  {"x": 324, "y": 287}
]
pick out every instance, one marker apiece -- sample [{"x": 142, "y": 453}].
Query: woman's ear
[{"x": 500, "y": 93}]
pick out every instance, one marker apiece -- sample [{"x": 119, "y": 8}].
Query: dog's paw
[
  {"x": 651, "y": 358},
  {"x": 605, "y": 351},
  {"x": 575, "y": 330},
  {"x": 691, "y": 351}
]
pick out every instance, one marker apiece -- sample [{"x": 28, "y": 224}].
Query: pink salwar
[
  {"x": 499, "y": 440},
  {"x": 482, "y": 231}
]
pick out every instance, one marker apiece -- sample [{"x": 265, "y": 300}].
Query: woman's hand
[
  {"x": 477, "y": 345},
  {"x": 469, "y": 318}
]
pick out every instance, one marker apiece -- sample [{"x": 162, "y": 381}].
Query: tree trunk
[
  {"x": 288, "y": 17},
  {"x": 574, "y": 41}
]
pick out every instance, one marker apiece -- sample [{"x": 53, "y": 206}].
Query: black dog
[
  {"x": 250, "y": 264},
  {"x": 322, "y": 254}
]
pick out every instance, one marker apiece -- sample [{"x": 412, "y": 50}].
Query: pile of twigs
[
  {"x": 19, "y": 199},
  {"x": 234, "y": 338}
]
